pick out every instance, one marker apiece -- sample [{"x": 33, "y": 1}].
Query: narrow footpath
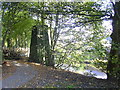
[{"x": 22, "y": 74}]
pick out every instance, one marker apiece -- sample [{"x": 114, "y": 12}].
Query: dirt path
[
  {"x": 31, "y": 75},
  {"x": 22, "y": 74}
]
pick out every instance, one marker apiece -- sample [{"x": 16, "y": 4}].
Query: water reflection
[
  {"x": 94, "y": 73},
  {"x": 87, "y": 71}
]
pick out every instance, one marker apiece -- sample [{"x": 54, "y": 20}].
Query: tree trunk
[
  {"x": 113, "y": 68},
  {"x": 9, "y": 43},
  {"x": 48, "y": 54},
  {"x": 44, "y": 47},
  {"x": 1, "y": 45},
  {"x": 33, "y": 57},
  {"x": 40, "y": 45}
]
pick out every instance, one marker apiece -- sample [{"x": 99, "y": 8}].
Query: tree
[
  {"x": 33, "y": 57},
  {"x": 0, "y": 39},
  {"x": 113, "y": 67}
]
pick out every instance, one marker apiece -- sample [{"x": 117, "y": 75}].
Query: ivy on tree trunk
[
  {"x": 113, "y": 67},
  {"x": 33, "y": 57}
]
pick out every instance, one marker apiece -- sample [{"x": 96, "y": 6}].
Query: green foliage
[
  {"x": 84, "y": 44},
  {"x": 22, "y": 26},
  {"x": 100, "y": 64},
  {"x": 70, "y": 86},
  {"x": 17, "y": 23}
]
